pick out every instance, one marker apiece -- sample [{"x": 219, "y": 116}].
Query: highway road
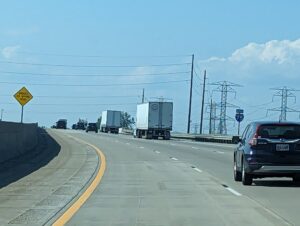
[
  {"x": 146, "y": 182},
  {"x": 156, "y": 182}
]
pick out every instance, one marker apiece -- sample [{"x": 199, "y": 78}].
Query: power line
[
  {"x": 93, "y": 85},
  {"x": 77, "y": 97},
  {"x": 92, "y": 66},
  {"x": 99, "y": 56},
  {"x": 72, "y": 104},
  {"x": 92, "y": 75}
]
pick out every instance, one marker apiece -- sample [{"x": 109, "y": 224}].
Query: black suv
[
  {"x": 92, "y": 127},
  {"x": 268, "y": 149}
]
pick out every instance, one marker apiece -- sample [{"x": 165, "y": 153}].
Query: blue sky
[{"x": 252, "y": 43}]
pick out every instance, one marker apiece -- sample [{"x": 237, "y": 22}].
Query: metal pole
[
  {"x": 210, "y": 117},
  {"x": 239, "y": 123},
  {"x": 143, "y": 96},
  {"x": 202, "y": 105},
  {"x": 22, "y": 114},
  {"x": 191, "y": 94}
]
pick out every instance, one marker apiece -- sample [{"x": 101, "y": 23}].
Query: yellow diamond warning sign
[{"x": 23, "y": 96}]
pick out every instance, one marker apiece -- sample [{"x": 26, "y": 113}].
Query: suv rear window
[{"x": 279, "y": 131}]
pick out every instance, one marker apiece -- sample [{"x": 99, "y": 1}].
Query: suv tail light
[{"x": 253, "y": 140}]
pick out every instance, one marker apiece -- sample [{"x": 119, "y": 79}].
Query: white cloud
[
  {"x": 9, "y": 51},
  {"x": 273, "y": 58}
]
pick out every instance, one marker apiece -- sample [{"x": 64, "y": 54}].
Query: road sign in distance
[
  {"x": 239, "y": 117},
  {"x": 23, "y": 96}
]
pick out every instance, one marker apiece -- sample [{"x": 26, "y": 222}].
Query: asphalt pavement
[
  {"x": 146, "y": 182},
  {"x": 157, "y": 182}
]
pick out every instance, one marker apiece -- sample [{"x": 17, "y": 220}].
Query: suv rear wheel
[
  {"x": 246, "y": 178},
  {"x": 237, "y": 174}
]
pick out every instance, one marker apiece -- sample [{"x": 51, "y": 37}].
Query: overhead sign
[
  {"x": 23, "y": 96},
  {"x": 239, "y": 116}
]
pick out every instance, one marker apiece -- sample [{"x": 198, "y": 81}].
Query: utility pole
[
  {"x": 224, "y": 87},
  {"x": 191, "y": 94},
  {"x": 202, "y": 104},
  {"x": 284, "y": 93},
  {"x": 143, "y": 96}
]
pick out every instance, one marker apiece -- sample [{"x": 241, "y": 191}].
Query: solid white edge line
[{"x": 233, "y": 191}]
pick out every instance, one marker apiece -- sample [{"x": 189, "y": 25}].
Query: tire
[
  {"x": 167, "y": 135},
  {"x": 237, "y": 175},
  {"x": 246, "y": 177}
]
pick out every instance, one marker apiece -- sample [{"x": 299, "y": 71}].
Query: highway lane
[
  {"x": 278, "y": 195},
  {"x": 155, "y": 182}
]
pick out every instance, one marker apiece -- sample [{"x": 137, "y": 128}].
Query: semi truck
[
  {"x": 154, "y": 120},
  {"x": 110, "y": 121}
]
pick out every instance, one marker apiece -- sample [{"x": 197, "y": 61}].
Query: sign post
[
  {"x": 239, "y": 116},
  {"x": 23, "y": 96}
]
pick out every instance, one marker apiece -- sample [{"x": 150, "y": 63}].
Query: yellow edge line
[{"x": 67, "y": 215}]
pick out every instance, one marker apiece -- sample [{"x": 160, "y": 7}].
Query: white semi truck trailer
[
  {"x": 154, "y": 120},
  {"x": 110, "y": 121}
]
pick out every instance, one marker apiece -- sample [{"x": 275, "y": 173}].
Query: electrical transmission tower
[
  {"x": 212, "y": 117},
  {"x": 284, "y": 93},
  {"x": 224, "y": 87}
]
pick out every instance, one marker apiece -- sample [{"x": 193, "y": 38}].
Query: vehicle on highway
[
  {"x": 92, "y": 127},
  {"x": 110, "y": 121},
  {"x": 61, "y": 124},
  {"x": 268, "y": 149},
  {"x": 154, "y": 120}
]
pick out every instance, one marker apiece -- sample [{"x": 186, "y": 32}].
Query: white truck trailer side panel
[
  {"x": 155, "y": 115},
  {"x": 142, "y": 116},
  {"x": 111, "y": 119}
]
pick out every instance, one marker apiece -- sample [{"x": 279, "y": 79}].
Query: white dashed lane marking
[
  {"x": 231, "y": 190},
  {"x": 196, "y": 169},
  {"x": 157, "y": 152}
]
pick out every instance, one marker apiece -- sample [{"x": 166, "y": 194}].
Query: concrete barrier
[{"x": 17, "y": 139}]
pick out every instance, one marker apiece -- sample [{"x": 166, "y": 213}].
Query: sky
[{"x": 78, "y": 58}]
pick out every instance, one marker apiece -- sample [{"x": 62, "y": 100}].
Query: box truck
[
  {"x": 110, "y": 121},
  {"x": 154, "y": 120}
]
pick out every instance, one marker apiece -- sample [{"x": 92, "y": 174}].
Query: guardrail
[
  {"x": 197, "y": 137},
  {"x": 207, "y": 138}
]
